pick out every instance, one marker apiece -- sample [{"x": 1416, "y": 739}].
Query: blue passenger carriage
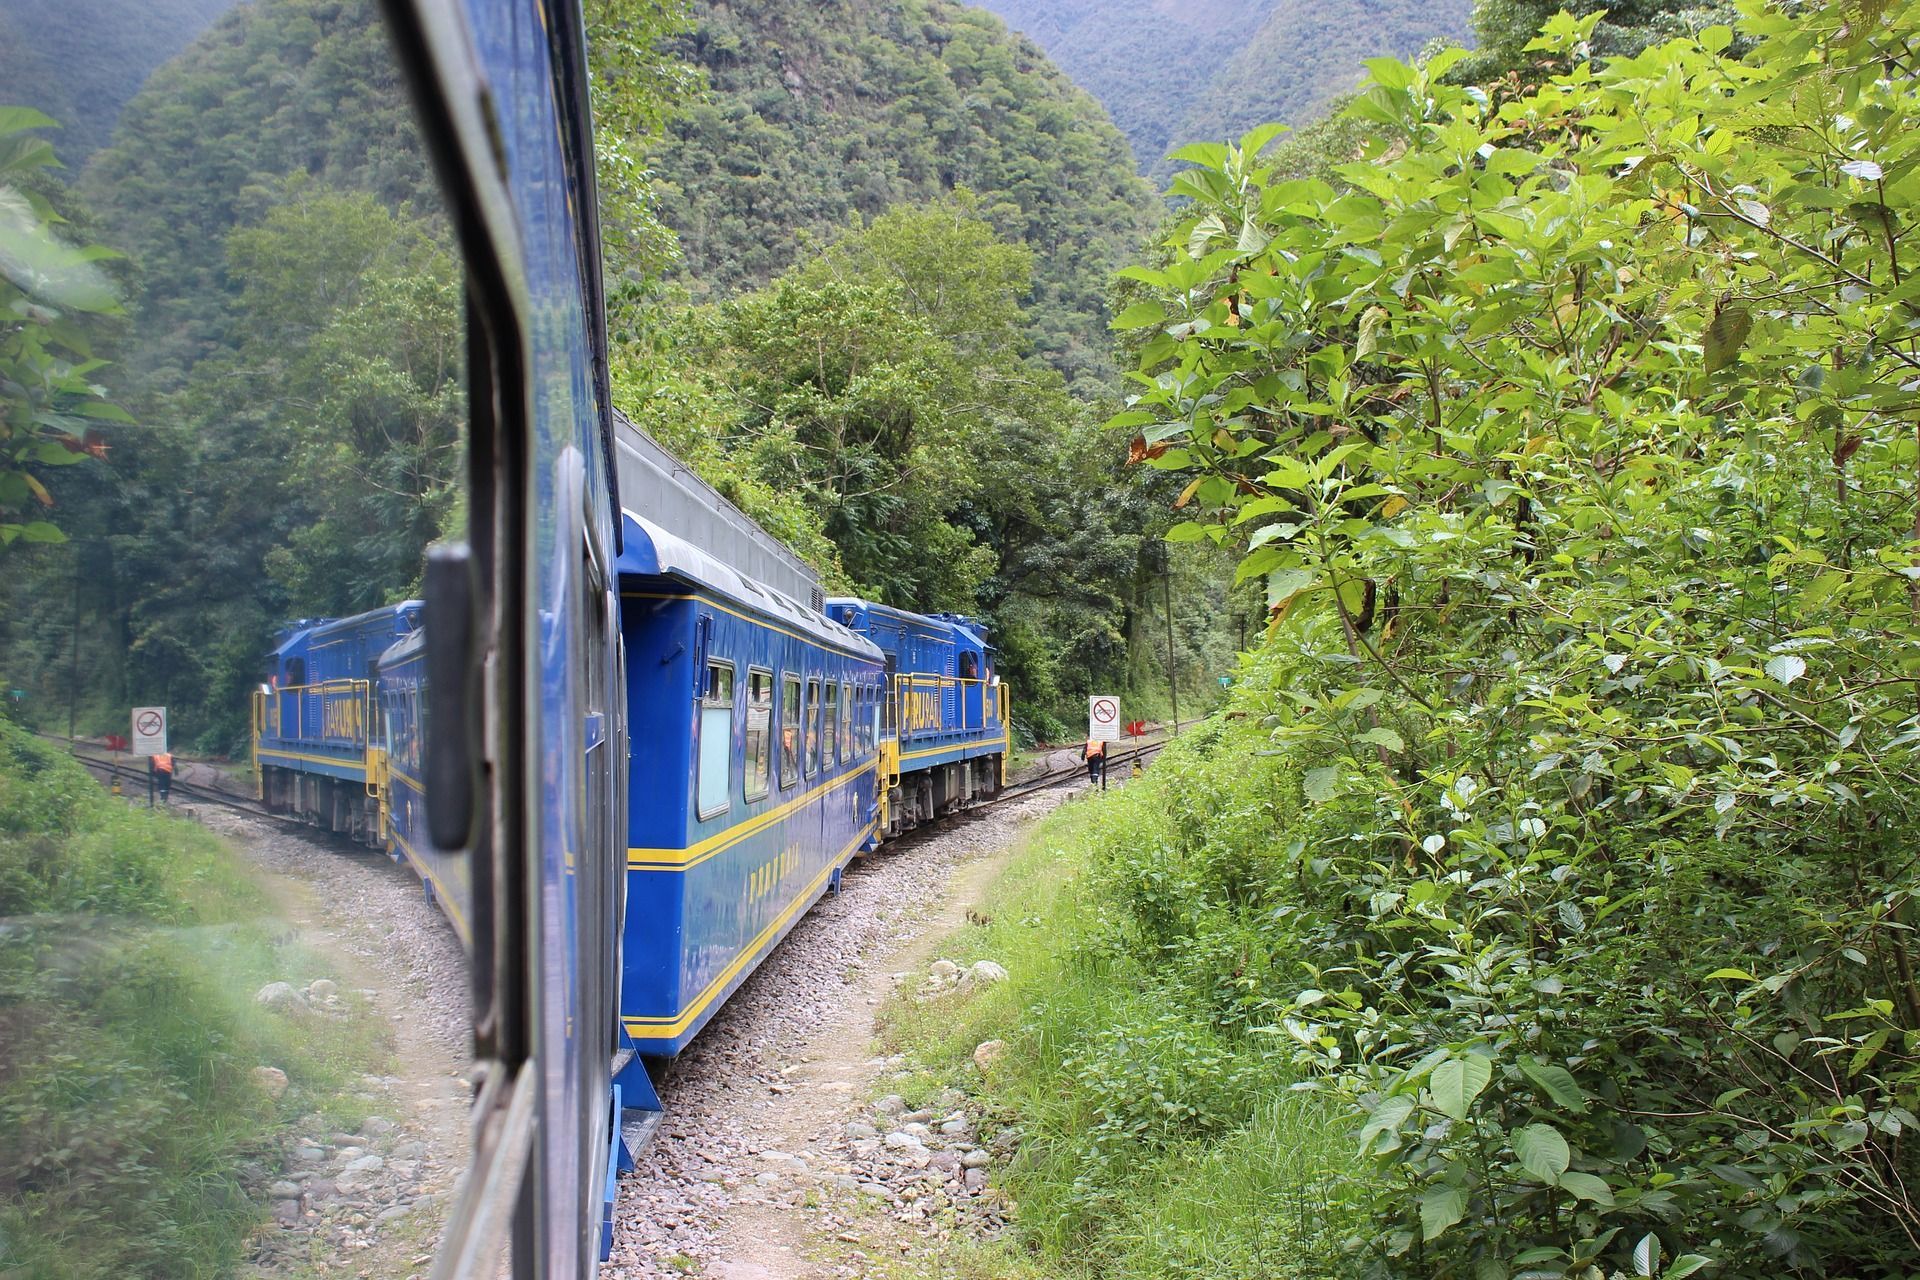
[
  {"x": 753, "y": 722},
  {"x": 318, "y": 744},
  {"x": 945, "y": 715}
]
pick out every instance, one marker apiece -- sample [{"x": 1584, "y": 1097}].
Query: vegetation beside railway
[
  {"x": 1551, "y": 872},
  {"x": 135, "y": 1134}
]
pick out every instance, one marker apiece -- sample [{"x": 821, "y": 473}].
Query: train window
[
  {"x": 813, "y": 727},
  {"x": 296, "y": 672},
  {"x": 716, "y": 740},
  {"x": 846, "y": 722},
  {"x": 870, "y": 722},
  {"x": 830, "y": 723},
  {"x": 759, "y": 735},
  {"x": 789, "y": 730}
]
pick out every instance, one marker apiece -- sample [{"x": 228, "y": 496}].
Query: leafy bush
[{"x": 1574, "y": 446}]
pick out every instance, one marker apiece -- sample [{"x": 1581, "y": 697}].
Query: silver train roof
[{"x": 664, "y": 492}]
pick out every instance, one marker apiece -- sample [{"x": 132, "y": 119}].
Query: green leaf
[
  {"x": 1139, "y": 316},
  {"x": 1208, "y": 155},
  {"x": 1255, "y": 140},
  {"x": 1786, "y": 667},
  {"x": 1440, "y": 1207},
  {"x": 1286, "y": 584},
  {"x": 1387, "y": 1117},
  {"x": 1646, "y": 1255},
  {"x": 1456, "y": 1082},
  {"x": 1556, "y": 1082},
  {"x": 1390, "y": 73},
  {"x": 1726, "y": 334},
  {"x": 14, "y": 119},
  {"x": 1733, "y": 975},
  {"x": 1369, "y": 341},
  {"x": 1685, "y": 1265},
  {"x": 1589, "y": 1187},
  {"x": 1381, "y": 736},
  {"x": 1321, "y": 785},
  {"x": 1186, "y": 531},
  {"x": 1542, "y": 1151}
]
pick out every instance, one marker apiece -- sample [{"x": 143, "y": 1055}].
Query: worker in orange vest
[
  {"x": 1096, "y": 758},
  {"x": 163, "y": 774}
]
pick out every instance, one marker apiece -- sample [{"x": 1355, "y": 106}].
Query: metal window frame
[
  {"x": 747, "y": 793},
  {"x": 710, "y": 703}
]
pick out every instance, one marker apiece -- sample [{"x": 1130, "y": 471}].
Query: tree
[
  {"x": 51, "y": 409},
  {"x": 1574, "y": 448}
]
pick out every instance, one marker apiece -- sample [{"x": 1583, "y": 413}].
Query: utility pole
[
  {"x": 73, "y": 666},
  {"x": 1166, "y": 586}
]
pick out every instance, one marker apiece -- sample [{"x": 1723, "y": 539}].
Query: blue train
[
  {"x": 769, "y": 736},
  {"x": 622, "y": 737}
]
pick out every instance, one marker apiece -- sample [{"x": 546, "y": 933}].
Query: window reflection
[{"x": 232, "y": 403}]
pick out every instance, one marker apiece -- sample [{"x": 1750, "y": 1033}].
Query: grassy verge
[
  {"x": 135, "y": 1131},
  {"x": 1160, "y": 1134}
]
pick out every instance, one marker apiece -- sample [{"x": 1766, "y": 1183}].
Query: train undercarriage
[{"x": 336, "y": 805}]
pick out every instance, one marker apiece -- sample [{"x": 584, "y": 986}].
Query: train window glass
[
  {"x": 846, "y": 722},
  {"x": 716, "y": 740},
  {"x": 759, "y": 731},
  {"x": 812, "y": 765},
  {"x": 789, "y": 730},
  {"x": 830, "y": 723},
  {"x": 230, "y": 204}
]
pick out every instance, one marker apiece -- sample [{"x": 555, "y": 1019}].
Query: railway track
[{"x": 102, "y": 761}]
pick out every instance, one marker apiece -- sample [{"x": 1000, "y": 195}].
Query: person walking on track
[
  {"x": 163, "y": 775},
  {"x": 1096, "y": 758}
]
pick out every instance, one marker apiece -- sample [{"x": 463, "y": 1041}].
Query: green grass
[
  {"x": 133, "y": 1135},
  {"x": 1154, "y": 1142}
]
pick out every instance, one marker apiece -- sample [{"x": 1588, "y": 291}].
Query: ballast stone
[
  {"x": 986, "y": 971},
  {"x": 277, "y": 995}
]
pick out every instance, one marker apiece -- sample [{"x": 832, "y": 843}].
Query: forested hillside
[
  {"x": 903, "y": 184},
  {"x": 820, "y": 115},
  {"x": 83, "y": 82},
  {"x": 1172, "y": 73},
  {"x": 292, "y": 357}
]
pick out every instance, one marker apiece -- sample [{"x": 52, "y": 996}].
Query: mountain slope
[
  {"x": 81, "y": 60},
  {"x": 1173, "y": 72},
  {"x": 823, "y": 112}
]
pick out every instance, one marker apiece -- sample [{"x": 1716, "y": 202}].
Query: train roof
[
  {"x": 662, "y": 490},
  {"x": 399, "y": 618},
  {"x": 971, "y": 630},
  {"x": 649, "y": 551}
]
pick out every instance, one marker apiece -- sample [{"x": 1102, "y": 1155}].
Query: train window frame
[
  {"x": 711, "y": 701},
  {"x": 810, "y": 730},
  {"x": 830, "y": 704},
  {"x": 758, "y": 769},
  {"x": 790, "y": 752}
]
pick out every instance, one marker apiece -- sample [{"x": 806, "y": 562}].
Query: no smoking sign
[{"x": 1103, "y": 717}]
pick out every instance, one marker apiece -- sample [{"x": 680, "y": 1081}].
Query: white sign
[
  {"x": 1103, "y": 718},
  {"x": 149, "y": 731}
]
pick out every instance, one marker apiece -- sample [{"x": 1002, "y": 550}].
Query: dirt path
[
  {"x": 370, "y": 1201},
  {"x": 771, "y": 1165}
]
